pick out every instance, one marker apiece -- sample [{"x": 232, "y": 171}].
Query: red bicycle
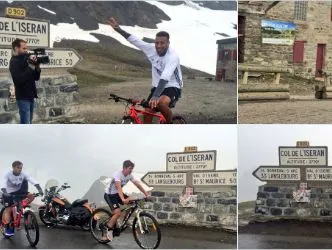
[
  {"x": 22, "y": 210},
  {"x": 133, "y": 111}
]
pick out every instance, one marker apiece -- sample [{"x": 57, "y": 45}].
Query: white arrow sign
[
  {"x": 319, "y": 174},
  {"x": 35, "y": 32},
  {"x": 59, "y": 58},
  {"x": 308, "y": 156},
  {"x": 264, "y": 173},
  {"x": 165, "y": 179},
  {"x": 215, "y": 178}
]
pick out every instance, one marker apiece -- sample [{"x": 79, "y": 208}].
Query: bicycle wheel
[
  {"x": 2, "y": 228},
  {"x": 31, "y": 228},
  {"x": 151, "y": 231},
  {"x": 128, "y": 120},
  {"x": 98, "y": 224},
  {"x": 178, "y": 120}
]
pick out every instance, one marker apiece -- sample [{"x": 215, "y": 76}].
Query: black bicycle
[{"x": 144, "y": 226}]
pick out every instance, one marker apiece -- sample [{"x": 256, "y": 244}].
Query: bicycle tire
[
  {"x": 2, "y": 229},
  {"x": 128, "y": 120},
  {"x": 177, "y": 119},
  {"x": 92, "y": 224},
  {"x": 35, "y": 224},
  {"x": 156, "y": 225}
]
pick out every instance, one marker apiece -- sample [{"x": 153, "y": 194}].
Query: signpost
[
  {"x": 303, "y": 156},
  {"x": 165, "y": 179},
  {"x": 35, "y": 32},
  {"x": 16, "y": 12},
  {"x": 216, "y": 178},
  {"x": 271, "y": 173},
  {"x": 319, "y": 174},
  {"x": 191, "y": 161},
  {"x": 59, "y": 58}
]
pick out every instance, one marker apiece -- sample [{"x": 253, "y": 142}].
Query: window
[
  {"x": 234, "y": 55},
  {"x": 298, "y": 52},
  {"x": 300, "y": 10}
]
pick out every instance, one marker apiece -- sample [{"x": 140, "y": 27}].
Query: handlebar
[
  {"x": 138, "y": 200},
  {"x": 116, "y": 98}
]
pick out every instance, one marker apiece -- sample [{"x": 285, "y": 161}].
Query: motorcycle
[{"x": 58, "y": 210}]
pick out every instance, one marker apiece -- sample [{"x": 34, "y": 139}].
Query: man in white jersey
[
  {"x": 114, "y": 195},
  {"x": 15, "y": 184},
  {"x": 166, "y": 71}
]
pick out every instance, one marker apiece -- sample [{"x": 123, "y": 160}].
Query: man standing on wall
[{"x": 24, "y": 71}]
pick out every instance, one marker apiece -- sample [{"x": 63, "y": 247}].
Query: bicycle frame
[
  {"x": 134, "y": 112},
  {"x": 135, "y": 208}
]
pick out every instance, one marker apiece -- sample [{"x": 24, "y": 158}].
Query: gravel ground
[{"x": 202, "y": 101}]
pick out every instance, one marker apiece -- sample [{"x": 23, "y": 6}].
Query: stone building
[
  {"x": 308, "y": 49},
  {"x": 227, "y": 60}
]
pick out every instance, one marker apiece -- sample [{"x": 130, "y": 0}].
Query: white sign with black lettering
[
  {"x": 277, "y": 174},
  {"x": 310, "y": 156},
  {"x": 35, "y": 33},
  {"x": 59, "y": 58},
  {"x": 165, "y": 179},
  {"x": 216, "y": 178},
  {"x": 319, "y": 174},
  {"x": 196, "y": 161}
]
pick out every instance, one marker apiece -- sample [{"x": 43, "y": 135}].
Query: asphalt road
[
  {"x": 172, "y": 237},
  {"x": 286, "y": 235}
]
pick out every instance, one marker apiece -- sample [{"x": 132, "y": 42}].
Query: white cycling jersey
[
  {"x": 119, "y": 177},
  {"x": 165, "y": 67},
  {"x": 13, "y": 183}
]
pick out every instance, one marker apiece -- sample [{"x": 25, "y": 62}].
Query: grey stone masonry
[
  {"x": 214, "y": 209},
  {"x": 58, "y": 99},
  {"x": 279, "y": 201}
]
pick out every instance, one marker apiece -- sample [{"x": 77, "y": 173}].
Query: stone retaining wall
[
  {"x": 57, "y": 102},
  {"x": 214, "y": 209},
  {"x": 278, "y": 201}
]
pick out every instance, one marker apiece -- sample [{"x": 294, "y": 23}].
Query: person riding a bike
[
  {"x": 14, "y": 190},
  {"x": 166, "y": 72},
  {"x": 115, "y": 197}
]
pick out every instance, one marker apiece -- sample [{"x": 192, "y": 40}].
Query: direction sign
[
  {"x": 59, "y": 58},
  {"x": 35, "y": 32},
  {"x": 191, "y": 161},
  {"x": 303, "y": 156},
  {"x": 16, "y": 12},
  {"x": 269, "y": 173},
  {"x": 319, "y": 174},
  {"x": 165, "y": 179},
  {"x": 215, "y": 178}
]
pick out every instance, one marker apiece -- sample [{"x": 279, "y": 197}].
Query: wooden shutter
[{"x": 298, "y": 52}]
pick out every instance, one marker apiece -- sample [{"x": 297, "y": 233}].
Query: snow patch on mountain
[
  {"x": 193, "y": 32},
  {"x": 47, "y": 10}
]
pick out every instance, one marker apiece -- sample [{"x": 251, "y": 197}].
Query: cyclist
[
  {"x": 166, "y": 72},
  {"x": 15, "y": 189},
  {"x": 115, "y": 197}
]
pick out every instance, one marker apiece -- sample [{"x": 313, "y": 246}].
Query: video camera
[{"x": 40, "y": 55}]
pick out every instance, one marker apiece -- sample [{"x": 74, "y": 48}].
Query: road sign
[
  {"x": 59, "y": 58},
  {"x": 191, "y": 161},
  {"x": 190, "y": 149},
  {"x": 303, "y": 144},
  {"x": 16, "y": 12},
  {"x": 165, "y": 179},
  {"x": 269, "y": 173},
  {"x": 35, "y": 32},
  {"x": 215, "y": 178},
  {"x": 303, "y": 156},
  {"x": 319, "y": 174}
]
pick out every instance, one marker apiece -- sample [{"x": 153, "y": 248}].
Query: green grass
[
  {"x": 86, "y": 78},
  {"x": 246, "y": 204}
]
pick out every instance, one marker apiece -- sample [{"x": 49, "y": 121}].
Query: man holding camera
[{"x": 25, "y": 71}]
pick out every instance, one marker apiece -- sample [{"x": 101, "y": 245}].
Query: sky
[
  {"x": 258, "y": 145},
  {"x": 80, "y": 154}
]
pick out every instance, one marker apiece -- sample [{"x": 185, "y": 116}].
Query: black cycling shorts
[
  {"x": 173, "y": 93},
  {"x": 113, "y": 200}
]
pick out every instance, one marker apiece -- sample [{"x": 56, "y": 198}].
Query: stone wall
[
  {"x": 317, "y": 29},
  {"x": 57, "y": 102},
  {"x": 214, "y": 209},
  {"x": 278, "y": 201}
]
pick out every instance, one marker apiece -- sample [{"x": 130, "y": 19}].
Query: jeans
[{"x": 26, "y": 110}]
